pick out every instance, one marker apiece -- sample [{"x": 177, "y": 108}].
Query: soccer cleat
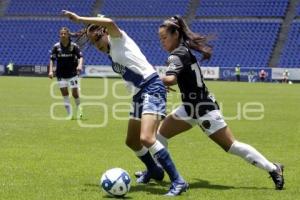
[
  {"x": 177, "y": 188},
  {"x": 79, "y": 113},
  {"x": 277, "y": 176},
  {"x": 145, "y": 176},
  {"x": 138, "y": 174}
]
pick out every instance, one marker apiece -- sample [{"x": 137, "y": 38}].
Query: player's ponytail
[
  {"x": 195, "y": 41},
  {"x": 81, "y": 38}
]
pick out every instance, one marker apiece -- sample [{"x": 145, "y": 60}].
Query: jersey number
[{"x": 196, "y": 68}]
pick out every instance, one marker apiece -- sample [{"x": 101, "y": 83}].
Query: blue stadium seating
[
  {"x": 24, "y": 40},
  {"x": 248, "y": 42},
  {"x": 39, "y": 7},
  {"x": 290, "y": 55},
  {"x": 144, "y": 8},
  {"x": 261, "y": 8},
  {"x": 29, "y": 41},
  {"x": 245, "y": 42},
  {"x": 298, "y": 10}
]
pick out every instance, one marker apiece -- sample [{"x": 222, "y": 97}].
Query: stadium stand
[
  {"x": 24, "y": 40},
  {"x": 38, "y": 7},
  {"x": 290, "y": 54},
  {"x": 247, "y": 42},
  {"x": 246, "y": 31},
  {"x": 144, "y": 8},
  {"x": 298, "y": 10},
  {"x": 257, "y": 8}
]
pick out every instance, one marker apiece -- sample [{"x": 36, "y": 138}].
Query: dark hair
[
  {"x": 81, "y": 38},
  {"x": 64, "y": 28},
  {"x": 195, "y": 41}
]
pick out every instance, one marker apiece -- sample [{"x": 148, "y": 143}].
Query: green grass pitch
[{"x": 42, "y": 157}]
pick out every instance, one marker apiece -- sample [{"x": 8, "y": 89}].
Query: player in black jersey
[
  {"x": 199, "y": 107},
  {"x": 69, "y": 61}
]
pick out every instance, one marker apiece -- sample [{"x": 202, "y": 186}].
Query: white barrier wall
[
  {"x": 2, "y": 69},
  {"x": 277, "y": 73},
  {"x": 208, "y": 72},
  {"x": 99, "y": 71}
]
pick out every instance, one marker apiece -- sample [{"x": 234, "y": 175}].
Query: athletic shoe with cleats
[
  {"x": 145, "y": 176},
  {"x": 79, "y": 113},
  {"x": 177, "y": 188},
  {"x": 277, "y": 176},
  {"x": 138, "y": 174}
]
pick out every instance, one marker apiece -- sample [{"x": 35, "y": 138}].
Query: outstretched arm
[{"x": 112, "y": 28}]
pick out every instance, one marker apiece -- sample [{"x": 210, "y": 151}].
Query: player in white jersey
[{"x": 149, "y": 98}]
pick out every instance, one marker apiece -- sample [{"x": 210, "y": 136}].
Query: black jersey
[
  {"x": 66, "y": 59},
  {"x": 194, "y": 93}
]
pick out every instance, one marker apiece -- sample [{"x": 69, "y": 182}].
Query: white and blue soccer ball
[{"x": 115, "y": 182}]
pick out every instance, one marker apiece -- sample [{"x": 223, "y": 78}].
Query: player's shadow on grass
[
  {"x": 162, "y": 187},
  {"x": 152, "y": 188},
  {"x": 206, "y": 184},
  {"x": 96, "y": 188},
  {"x": 155, "y": 187},
  {"x": 199, "y": 183}
]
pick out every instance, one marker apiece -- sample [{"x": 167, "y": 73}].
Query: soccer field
[{"x": 43, "y": 156}]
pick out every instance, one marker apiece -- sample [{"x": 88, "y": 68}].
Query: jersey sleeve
[
  {"x": 53, "y": 55},
  {"x": 77, "y": 51},
  {"x": 174, "y": 65}
]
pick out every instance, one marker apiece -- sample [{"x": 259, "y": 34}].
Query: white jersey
[{"x": 130, "y": 62}]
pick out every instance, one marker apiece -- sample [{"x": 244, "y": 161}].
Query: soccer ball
[{"x": 115, "y": 182}]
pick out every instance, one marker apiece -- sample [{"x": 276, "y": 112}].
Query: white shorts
[
  {"x": 209, "y": 123},
  {"x": 68, "y": 82}
]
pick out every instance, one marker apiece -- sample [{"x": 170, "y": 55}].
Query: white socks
[
  {"x": 156, "y": 147},
  {"x": 163, "y": 140},
  {"x": 240, "y": 149},
  {"x": 141, "y": 152},
  {"x": 67, "y": 104},
  {"x": 77, "y": 101},
  {"x": 251, "y": 155}
]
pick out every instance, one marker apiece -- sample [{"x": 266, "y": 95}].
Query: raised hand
[{"x": 71, "y": 15}]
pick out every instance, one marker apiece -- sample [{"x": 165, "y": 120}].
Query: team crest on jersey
[
  {"x": 172, "y": 60},
  {"x": 118, "y": 68},
  {"x": 172, "y": 66}
]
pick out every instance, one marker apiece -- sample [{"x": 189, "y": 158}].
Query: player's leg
[
  {"x": 63, "y": 85},
  {"x": 133, "y": 142},
  {"x": 153, "y": 110},
  {"x": 74, "y": 85},
  {"x": 149, "y": 125},
  {"x": 215, "y": 126},
  {"x": 175, "y": 123}
]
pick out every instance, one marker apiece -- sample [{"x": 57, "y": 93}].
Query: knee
[
  {"x": 147, "y": 140},
  {"x": 75, "y": 95}
]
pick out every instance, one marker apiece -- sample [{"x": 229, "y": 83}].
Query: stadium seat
[
  {"x": 253, "y": 8},
  {"x": 37, "y": 7},
  {"x": 290, "y": 54},
  {"x": 147, "y": 8}
]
